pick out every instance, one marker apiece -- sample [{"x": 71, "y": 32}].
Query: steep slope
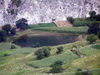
[{"x": 37, "y": 11}]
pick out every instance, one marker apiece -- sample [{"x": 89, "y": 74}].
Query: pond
[{"x": 46, "y": 39}]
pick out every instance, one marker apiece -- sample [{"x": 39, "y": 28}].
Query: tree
[
  {"x": 70, "y": 19},
  {"x": 13, "y": 31},
  {"x": 98, "y": 34},
  {"x": 57, "y": 67},
  {"x": 92, "y": 14},
  {"x": 91, "y": 38},
  {"x": 97, "y": 17},
  {"x": 7, "y": 28},
  {"x": 3, "y": 36},
  {"x": 22, "y": 24},
  {"x": 94, "y": 28},
  {"x": 42, "y": 53},
  {"x": 60, "y": 49}
]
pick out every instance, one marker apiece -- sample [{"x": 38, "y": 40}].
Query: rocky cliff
[{"x": 37, "y": 11}]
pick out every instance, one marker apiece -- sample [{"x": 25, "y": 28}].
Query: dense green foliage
[
  {"x": 3, "y": 36},
  {"x": 13, "y": 31},
  {"x": 13, "y": 47},
  {"x": 92, "y": 14},
  {"x": 94, "y": 28},
  {"x": 98, "y": 34},
  {"x": 42, "y": 53},
  {"x": 57, "y": 67},
  {"x": 7, "y": 28},
  {"x": 70, "y": 19},
  {"x": 91, "y": 38},
  {"x": 60, "y": 49},
  {"x": 22, "y": 24}
]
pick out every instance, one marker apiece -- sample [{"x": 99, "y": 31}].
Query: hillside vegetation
[{"x": 22, "y": 61}]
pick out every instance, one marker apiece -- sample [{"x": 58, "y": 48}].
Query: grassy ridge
[
  {"x": 75, "y": 30},
  {"x": 66, "y": 57},
  {"x": 43, "y": 25}
]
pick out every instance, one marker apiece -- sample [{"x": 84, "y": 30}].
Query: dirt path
[{"x": 63, "y": 24}]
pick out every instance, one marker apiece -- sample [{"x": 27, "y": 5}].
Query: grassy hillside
[{"x": 22, "y": 61}]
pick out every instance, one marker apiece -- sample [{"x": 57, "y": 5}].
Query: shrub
[
  {"x": 22, "y": 24},
  {"x": 57, "y": 67},
  {"x": 60, "y": 49},
  {"x": 13, "y": 31},
  {"x": 91, "y": 38},
  {"x": 70, "y": 19},
  {"x": 94, "y": 28},
  {"x": 3, "y": 36},
  {"x": 7, "y": 28},
  {"x": 13, "y": 47},
  {"x": 42, "y": 53},
  {"x": 97, "y": 17},
  {"x": 57, "y": 63},
  {"x": 92, "y": 14},
  {"x": 98, "y": 35}
]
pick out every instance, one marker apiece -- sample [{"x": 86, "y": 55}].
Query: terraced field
[{"x": 75, "y": 30}]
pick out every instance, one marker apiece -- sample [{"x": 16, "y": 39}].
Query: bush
[
  {"x": 7, "y": 28},
  {"x": 92, "y": 14},
  {"x": 70, "y": 19},
  {"x": 98, "y": 35},
  {"x": 97, "y": 17},
  {"x": 13, "y": 31},
  {"x": 42, "y": 53},
  {"x": 60, "y": 49},
  {"x": 22, "y": 24},
  {"x": 91, "y": 38},
  {"x": 57, "y": 63},
  {"x": 3, "y": 36},
  {"x": 94, "y": 28},
  {"x": 57, "y": 67},
  {"x": 13, "y": 47}
]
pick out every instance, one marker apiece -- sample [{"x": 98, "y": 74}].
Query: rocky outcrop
[{"x": 37, "y": 11}]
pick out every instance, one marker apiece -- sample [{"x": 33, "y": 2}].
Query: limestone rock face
[{"x": 39, "y": 11}]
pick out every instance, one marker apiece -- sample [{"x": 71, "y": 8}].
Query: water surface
[{"x": 46, "y": 39}]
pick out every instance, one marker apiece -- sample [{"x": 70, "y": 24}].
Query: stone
[{"x": 42, "y": 11}]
